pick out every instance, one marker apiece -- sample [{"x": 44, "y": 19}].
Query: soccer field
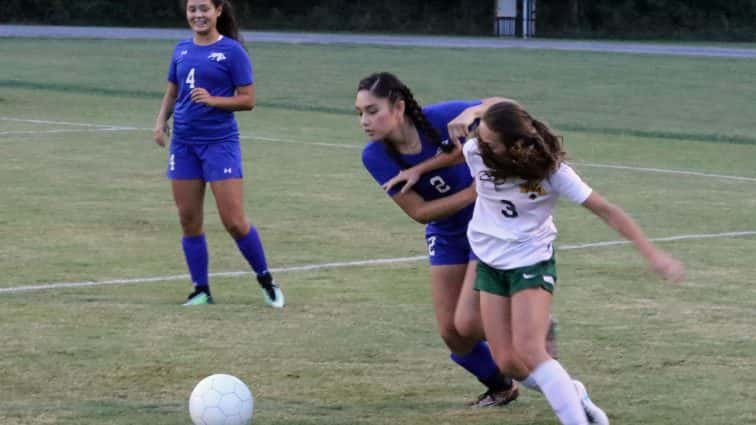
[{"x": 92, "y": 275}]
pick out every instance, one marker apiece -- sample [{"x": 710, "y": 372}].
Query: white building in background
[{"x": 510, "y": 13}]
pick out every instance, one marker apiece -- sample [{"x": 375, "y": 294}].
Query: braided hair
[
  {"x": 533, "y": 151},
  {"x": 385, "y": 85}
]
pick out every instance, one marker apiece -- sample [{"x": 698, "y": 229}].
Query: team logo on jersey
[
  {"x": 486, "y": 176},
  {"x": 533, "y": 188},
  {"x": 217, "y": 56},
  {"x": 183, "y": 52}
]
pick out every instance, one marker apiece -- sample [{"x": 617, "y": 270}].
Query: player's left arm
[
  {"x": 242, "y": 100},
  {"x": 661, "y": 262},
  {"x": 459, "y": 129}
]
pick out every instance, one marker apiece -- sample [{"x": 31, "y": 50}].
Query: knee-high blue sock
[
  {"x": 480, "y": 363},
  {"x": 195, "y": 252},
  {"x": 252, "y": 249}
]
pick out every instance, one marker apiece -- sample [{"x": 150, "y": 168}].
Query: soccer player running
[
  {"x": 403, "y": 134},
  {"x": 210, "y": 77},
  {"x": 519, "y": 170}
]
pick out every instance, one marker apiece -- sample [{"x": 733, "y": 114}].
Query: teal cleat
[
  {"x": 199, "y": 298},
  {"x": 274, "y": 297},
  {"x": 271, "y": 291}
]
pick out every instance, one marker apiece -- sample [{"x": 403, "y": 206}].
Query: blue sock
[
  {"x": 195, "y": 252},
  {"x": 252, "y": 249},
  {"x": 480, "y": 363}
]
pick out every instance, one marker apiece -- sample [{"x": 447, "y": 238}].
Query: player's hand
[
  {"x": 667, "y": 266},
  {"x": 461, "y": 126},
  {"x": 160, "y": 133},
  {"x": 200, "y": 95},
  {"x": 408, "y": 176}
]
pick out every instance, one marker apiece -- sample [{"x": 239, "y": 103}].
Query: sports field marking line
[
  {"x": 103, "y": 127},
  {"x": 30, "y": 288}
]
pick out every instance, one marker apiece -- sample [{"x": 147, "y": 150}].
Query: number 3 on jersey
[
  {"x": 190, "y": 78},
  {"x": 509, "y": 209}
]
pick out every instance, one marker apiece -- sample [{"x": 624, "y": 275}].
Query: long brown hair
[
  {"x": 385, "y": 85},
  {"x": 532, "y": 150}
]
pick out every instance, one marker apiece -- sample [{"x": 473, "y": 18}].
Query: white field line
[
  {"x": 104, "y": 127},
  {"x": 63, "y": 130},
  {"x": 30, "y": 288}
]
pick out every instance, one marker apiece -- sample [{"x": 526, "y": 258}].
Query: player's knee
[
  {"x": 237, "y": 228},
  {"x": 191, "y": 222},
  {"x": 531, "y": 355},
  {"x": 452, "y": 338},
  {"x": 468, "y": 325}
]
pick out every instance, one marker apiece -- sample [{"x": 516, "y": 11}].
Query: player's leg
[
  {"x": 530, "y": 315},
  {"x": 185, "y": 172},
  {"x": 449, "y": 266},
  {"x": 223, "y": 169}
]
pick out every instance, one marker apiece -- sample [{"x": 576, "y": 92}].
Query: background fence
[{"x": 669, "y": 19}]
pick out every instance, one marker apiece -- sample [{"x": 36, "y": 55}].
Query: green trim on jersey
[{"x": 508, "y": 282}]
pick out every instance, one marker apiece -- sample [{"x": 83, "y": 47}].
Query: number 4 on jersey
[{"x": 190, "y": 78}]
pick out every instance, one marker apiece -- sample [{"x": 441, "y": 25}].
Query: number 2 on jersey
[
  {"x": 440, "y": 185},
  {"x": 190, "y": 78}
]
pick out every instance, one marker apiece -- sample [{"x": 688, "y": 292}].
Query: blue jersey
[
  {"x": 219, "y": 68},
  {"x": 435, "y": 184}
]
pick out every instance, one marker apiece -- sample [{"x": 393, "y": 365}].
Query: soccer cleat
[
  {"x": 198, "y": 298},
  {"x": 274, "y": 297},
  {"x": 496, "y": 398},
  {"x": 595, "y": 415}
]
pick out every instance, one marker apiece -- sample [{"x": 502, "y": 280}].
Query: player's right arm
[
  {"x": 424, "y": 211},
  {"x": 160, "y": 131},
  {"x": 459, "y": 129}
]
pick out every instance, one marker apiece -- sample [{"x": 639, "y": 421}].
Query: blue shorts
[
  {"x": 444, "y": 250},
  {"x": 208, "y": 162}
]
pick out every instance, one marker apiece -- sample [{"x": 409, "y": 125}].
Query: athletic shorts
[
  {"x": 209, "y": 162},
  {"x": 508, "y": 282},
  {"x": 444, "y": 250}
]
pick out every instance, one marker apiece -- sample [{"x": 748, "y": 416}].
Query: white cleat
[
  {"x": 595, "y": 415},
  {"x": 274, "y": 297}
]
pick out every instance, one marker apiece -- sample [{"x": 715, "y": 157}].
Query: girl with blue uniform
[
  {"x": 209, "y": 78},
  {"x": 402, "y": 135}
]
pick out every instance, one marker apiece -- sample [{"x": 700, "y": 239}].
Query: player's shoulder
[
  {"x": 565, "y": 170},
  {"x": 470, "y": 148},
  {"x": 373, "y": 150},
  {"x": 184, "y": 44},
  {"x": 231, "y": 45},
  {"x": 447, "y": 106}
]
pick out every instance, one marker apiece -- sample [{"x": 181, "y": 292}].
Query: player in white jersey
[{"x": 519, "y": 170}]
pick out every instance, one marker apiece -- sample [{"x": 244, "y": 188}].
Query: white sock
[{"x": 559, "y": 390}]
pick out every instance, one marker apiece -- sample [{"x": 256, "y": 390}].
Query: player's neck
[
  {"x": 206, "y": 39},
  {"x": 407, "y": 140}
]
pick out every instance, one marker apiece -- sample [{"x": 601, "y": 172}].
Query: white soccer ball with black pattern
[{"x": 221, "y": 400}]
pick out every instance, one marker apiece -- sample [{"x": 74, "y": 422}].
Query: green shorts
[{"x": 507, "y": 282}]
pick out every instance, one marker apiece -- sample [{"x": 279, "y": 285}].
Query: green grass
[{"x": 357, "y": 345}]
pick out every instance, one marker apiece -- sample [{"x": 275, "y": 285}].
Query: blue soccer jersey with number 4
[
  {"x": 219, "y": 68},
  {"x": 435, "y": 184}
]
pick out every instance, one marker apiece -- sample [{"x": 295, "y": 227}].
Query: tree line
[{"x": 664, "y": 19}]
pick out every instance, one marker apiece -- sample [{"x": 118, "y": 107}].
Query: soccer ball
[{"x": 221, "y": 400}]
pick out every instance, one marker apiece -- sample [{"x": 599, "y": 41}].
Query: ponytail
[{"x": 227, "y": 24}]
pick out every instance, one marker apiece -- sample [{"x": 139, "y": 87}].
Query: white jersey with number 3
[{"x": 512, "y": 225}]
